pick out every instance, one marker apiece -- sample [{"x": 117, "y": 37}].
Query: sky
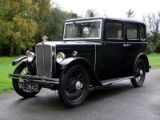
[{"x": 111, "y": 8}]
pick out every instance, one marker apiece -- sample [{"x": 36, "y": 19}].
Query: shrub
[
  {"x": 150, "y": 48},
  {"x": 158, "y": 46}
]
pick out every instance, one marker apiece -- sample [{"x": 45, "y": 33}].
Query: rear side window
[
  {"x": 142, "y": 33},
  {"x": 132, "y": 31},
  {"x": 114, "y": 30}
]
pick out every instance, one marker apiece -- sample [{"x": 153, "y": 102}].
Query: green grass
[
  {"x": 154, "y": 60},
  {"x": 5, "y": 68}
]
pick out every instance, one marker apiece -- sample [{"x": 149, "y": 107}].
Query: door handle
[{"x": 126, "y": 45}]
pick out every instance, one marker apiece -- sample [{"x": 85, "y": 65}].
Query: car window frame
[
  {"x": 80, "y": 21},
  {"x": 145, "y": 39},
  {"x": 138, "y": 34},
  {"x": 114, "y": 39}
]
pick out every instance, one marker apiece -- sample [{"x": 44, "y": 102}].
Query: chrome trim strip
[
  {"x": 134, "y": 39},
  {"x": 35, "y": 78},
  {"x": 71, "y": 39},
  {"x": 95, "y": 58},
  {"x": 108, "y": 42},
  {"x": 55, "y": 55},
  {"x": 36, "y": 59},
  {"x": 51, "y": 60},
  {"x": 43, "y": 58},
  {"x": 137, "y": 42},
  {"x": 115, "y": 42}
]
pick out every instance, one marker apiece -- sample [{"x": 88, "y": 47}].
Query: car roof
[{"x": 106, "y": 18}]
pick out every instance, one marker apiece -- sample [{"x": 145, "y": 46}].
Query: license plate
[{"x": 33, "y": 87}]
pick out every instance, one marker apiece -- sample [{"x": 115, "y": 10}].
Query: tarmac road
[{"x": 118, "y": 101}]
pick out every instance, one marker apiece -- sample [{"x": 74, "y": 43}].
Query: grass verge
[
  {"x": 154, "y": 60},
  {"x": 5, "y": 68}
]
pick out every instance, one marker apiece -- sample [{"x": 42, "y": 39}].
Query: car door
[
  {"x": 113, "y": 50},
  {"x": 132, "y": 46}
]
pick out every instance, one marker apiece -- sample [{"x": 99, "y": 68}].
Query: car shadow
[
  {"x": 107, "y": 91},
  {"x": 49, "y": 101}
]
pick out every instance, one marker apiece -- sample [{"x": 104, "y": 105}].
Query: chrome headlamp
[
  {"x": 30, "y": 56},
  {"x": 60, "y": 57}
]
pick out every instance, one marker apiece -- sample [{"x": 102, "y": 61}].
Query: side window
[
  {"x": 142, "y": 33},
  {"x": 132, "y": 31},
  {"x": 114, "y": 30}
]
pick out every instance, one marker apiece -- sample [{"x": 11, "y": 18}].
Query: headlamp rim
[
  {"x": 60, "y": 59},
  {"x": 31, "y": 55}
]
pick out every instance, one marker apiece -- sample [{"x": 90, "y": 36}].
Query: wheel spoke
[
  {"x": 79, "y": 75},
  {"x": 24, "y": 71},
  {"x": 74, "y": 86},
  {"x": 72, "y": 92},
  {"x": 76, "y": 74},
  {"x": 139, "y": 73}
]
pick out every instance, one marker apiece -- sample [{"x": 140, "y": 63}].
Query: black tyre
[
  {"x": 139, "y": 73},
  {"x": 22, "y": 69},
  {"x": 74, "y": 86}
]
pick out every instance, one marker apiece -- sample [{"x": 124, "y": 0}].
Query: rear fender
[{"x": 145, "y": 59}]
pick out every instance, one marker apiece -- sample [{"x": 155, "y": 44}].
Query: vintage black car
[{"x": 93, "y": 52}]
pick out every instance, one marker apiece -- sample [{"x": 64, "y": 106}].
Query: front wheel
[
  {"x": 74, "y": 86},
  {"x": 22, "y": 69},
  {"x": 139, "y": 73}
]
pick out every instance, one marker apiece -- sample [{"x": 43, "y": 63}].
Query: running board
[{"x": 110, "y": 81}]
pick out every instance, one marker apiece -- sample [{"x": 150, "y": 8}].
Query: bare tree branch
[
  {"x": 91, "y": 13},
  {"x": 153, "y": 22}
]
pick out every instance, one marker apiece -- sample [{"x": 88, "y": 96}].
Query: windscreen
[{"x": 82, "y": 30}]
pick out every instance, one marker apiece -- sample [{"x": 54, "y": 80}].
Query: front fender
[
  {"x": 17, "y": 60},
  {"x": 67, "y": 63}
]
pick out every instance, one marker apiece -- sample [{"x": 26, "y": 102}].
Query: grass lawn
[
  {"x": 154, "y": 60},
  {"x": 6, "y": 67}
]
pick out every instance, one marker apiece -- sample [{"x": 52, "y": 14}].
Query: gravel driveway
[{"x": 119, "y": 101}]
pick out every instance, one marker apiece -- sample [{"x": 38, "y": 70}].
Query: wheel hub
[
  {"x": 78, "y": 85},
  {"x": 141, "y": 72}
]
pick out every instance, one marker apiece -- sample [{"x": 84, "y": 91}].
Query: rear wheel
[
  {"x": 22, "y": 69},
  {"x": 74, "y": 86},
  {"x": 139, "y": 73}
]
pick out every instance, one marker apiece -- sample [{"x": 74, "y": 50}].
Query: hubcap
[
  {"x": 141, "y": 72},
  {"x": 78, "y": 85}
]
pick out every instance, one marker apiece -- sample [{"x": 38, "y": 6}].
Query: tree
[
  {"x": 56, "y": 21},
  {"x": 17, "y": 28},
  {"x": 41, "y": 18},
  {"x": 70, "y": 15},
  {"x": 55, "y": 27},
  {"x": 153, "y": 23},
  {"x": 24, "y": 22},
  {"x": 158, "y": 46},
  {"x": 130, "y": 13},
  {"x": 91, "y": 13}
]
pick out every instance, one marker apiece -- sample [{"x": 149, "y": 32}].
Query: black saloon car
[{"x": 93, "y": 52}]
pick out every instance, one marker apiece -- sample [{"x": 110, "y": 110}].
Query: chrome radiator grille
[{"x": 44, "y": 60}]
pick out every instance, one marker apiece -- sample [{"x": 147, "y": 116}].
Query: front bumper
[{"x": 36, "y": 79}]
